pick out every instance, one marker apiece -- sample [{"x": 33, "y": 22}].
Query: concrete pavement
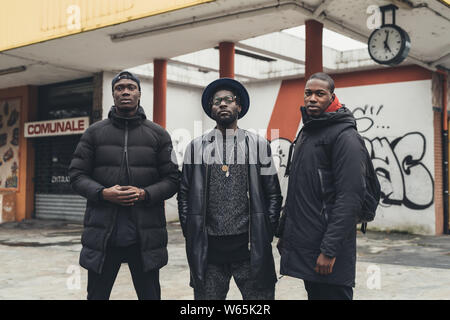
[{"x": 39, "y": 260}]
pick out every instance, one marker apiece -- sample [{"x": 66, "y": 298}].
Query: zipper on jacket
[
  {"x": 134, "y": 216},
  {"x": 248, "y": 198},
  {"x": 124, "y": 160},
  {"x": 126, "y": 154},
  {"x": 249, "y": 215},
  {"x": 205, "y": 194},
  {"x": 323, "y": 212}
]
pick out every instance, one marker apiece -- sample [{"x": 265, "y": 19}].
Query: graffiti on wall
[
  {"x": 404, "y": 177},
  {"x": 9, "y": 142},
  {"x": 398, "y": 161}
]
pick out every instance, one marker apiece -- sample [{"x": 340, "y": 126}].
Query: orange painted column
[
  {"x": 159, "y": 91},
  {"x": 226, "y": 52},
  {"x": 313, "y": 48}
]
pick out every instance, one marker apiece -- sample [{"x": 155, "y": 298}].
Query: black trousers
[
  {"x": 146, "y": 284},
  {"x": 325, "y": 291},
  {"x": 217, "y": 283}
]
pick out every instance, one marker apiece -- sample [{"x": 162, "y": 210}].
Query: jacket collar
[
  {"x": 341, "y": 115},
  {"x": 210, "y": 136},
  {"x": 132, "y": 121},
  {"x": 209, "y": 139}
]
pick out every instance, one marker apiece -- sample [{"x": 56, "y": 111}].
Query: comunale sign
[{"x": 56, "y": 127}]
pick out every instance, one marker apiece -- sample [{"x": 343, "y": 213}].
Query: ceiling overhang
[{"x": 187, "y": 30}]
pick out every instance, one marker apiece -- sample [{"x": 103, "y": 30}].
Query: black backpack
[
  {"x": 372, "y": 192},
  {"x": 372, "y": 196}
]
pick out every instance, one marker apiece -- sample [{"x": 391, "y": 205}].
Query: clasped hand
[{"x": 123, "y": 195}]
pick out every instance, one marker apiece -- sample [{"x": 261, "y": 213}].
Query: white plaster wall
[
  {"x": 397, "y": 118},
  {"x": 183, "y": 111},
  {"x": 262, "y": 100}
]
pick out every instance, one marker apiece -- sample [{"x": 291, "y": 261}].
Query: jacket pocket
[
  {"x": 327, "y": 187},
  {"x": 328, "y": 192}
]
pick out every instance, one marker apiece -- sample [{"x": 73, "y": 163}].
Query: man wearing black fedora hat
[{"x": 229, "y": 201}]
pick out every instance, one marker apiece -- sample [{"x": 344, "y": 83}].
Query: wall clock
[{"x": 389, "y": 44}]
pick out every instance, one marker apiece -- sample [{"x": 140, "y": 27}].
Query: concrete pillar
[
  {"x": 159, "y": 91},
  {"x": 226, "y": 52},
  {"x": 313, "y": 48}
]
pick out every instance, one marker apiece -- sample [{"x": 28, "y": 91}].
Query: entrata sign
[{"x": 59, "y": 127}]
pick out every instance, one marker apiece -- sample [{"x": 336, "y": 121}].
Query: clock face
[{"x": 388, "y": 45}]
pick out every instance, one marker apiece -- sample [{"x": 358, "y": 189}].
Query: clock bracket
[{"x": 384, "y": 9}]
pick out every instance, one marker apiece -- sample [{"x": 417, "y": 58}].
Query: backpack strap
[{"x": 363, "y": 227}]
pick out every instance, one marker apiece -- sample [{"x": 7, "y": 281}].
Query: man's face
[
  {"x": 317, "y": 97},
  {"x": 126, "y": 95},
  {"x": 224, "y": 108}
]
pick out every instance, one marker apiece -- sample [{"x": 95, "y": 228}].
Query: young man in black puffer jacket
[{"x": 123, "y": 166}]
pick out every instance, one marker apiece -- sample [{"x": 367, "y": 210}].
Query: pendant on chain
[{"x": 226, "y": 169}]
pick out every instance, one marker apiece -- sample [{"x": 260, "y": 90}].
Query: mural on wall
[
  {"x": 404, "y": 178},
  {"x": 9, "y": 142}
]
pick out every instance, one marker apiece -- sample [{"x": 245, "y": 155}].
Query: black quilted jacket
[{"x": 144, "y": 149}]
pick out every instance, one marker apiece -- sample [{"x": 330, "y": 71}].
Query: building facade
[{"x": 56, "y": 81}]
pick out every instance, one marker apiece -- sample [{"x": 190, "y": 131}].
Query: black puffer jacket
[
  {"x": 105, "y": 149},
  {"x": 265, "y": 204},
  {"x": 325, "y": 192}
]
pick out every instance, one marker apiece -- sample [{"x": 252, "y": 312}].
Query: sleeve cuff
[{"x": 100, "y": 194}]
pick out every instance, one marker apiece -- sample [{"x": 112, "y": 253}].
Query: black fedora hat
[{"x": 224, "y": 84}]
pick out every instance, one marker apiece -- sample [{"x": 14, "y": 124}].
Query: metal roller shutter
[
  {"x": 54, "y": 198},
  {"x": 60, "y": 206}
]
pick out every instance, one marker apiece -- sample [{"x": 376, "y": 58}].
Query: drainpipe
[
  {"x": 445, "y": 147},
  {"x": 226, "y": 55},
  {"x": 313, "y": 48}
]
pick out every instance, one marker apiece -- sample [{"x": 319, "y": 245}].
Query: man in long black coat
[
  {"x": 325, "y": 193},
  {"x": 123, "y": 166},
  {"x": 229, "y": 201}
]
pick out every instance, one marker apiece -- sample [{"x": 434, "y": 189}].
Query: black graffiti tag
[{"x": 404, "y": 179}]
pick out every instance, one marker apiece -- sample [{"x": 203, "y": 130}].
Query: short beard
[{"x": 227, "y": 121}]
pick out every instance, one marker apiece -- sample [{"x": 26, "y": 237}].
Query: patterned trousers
[{"x": 217, "y": 283}]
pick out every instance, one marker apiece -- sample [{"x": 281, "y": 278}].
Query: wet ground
[{"x": 39, "y": 260}]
